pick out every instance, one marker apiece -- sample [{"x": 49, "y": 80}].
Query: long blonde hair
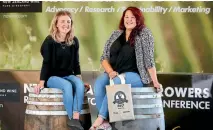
[{"x": 54, "y": 31}]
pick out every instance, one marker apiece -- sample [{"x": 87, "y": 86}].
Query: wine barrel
[
  {"x": 46, "y": 111},
  {"x": 148, "y": 111}
]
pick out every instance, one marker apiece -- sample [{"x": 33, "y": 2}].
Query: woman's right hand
[
  {"x": 113, "y": 74},
  {"x": 38, "y": 88}
]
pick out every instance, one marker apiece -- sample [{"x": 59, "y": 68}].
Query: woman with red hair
[{"x": 128, "y": 51}]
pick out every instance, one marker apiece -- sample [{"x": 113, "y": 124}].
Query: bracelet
[
  {"x": 110, "y": 72},
  {"x": 41, "y": 88}
]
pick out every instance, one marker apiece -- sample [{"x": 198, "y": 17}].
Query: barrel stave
[{"x": 46, "y": 111}]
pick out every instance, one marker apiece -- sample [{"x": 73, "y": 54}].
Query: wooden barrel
[
  {"x": 46, "y": 111},
  {"x": 148, "y": 111}
]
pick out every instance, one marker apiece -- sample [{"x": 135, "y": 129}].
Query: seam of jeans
[
  {"x": 69, "y": 80},
  {"x": 64, "y": 92}
]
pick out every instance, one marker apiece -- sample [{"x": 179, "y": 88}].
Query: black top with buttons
[
  {"x": 59, "y": 59},
  {"x": 122, "y": 56}
]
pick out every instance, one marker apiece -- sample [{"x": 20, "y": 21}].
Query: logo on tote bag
[
  {"x": 120, "y": 99},
  {"x": 20, "y": 6}
]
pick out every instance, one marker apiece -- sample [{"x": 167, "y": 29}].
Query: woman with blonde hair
[{"x": 61, "y": 67}]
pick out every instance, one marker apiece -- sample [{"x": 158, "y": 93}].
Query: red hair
[{"x": 139, "y": 23}]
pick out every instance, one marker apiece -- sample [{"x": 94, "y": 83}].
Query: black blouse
[
  {"x": 59, "y": 59},
  {"x": 122, "y": 56}
]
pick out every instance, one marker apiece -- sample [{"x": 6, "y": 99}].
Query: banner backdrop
[
  {"x": 187, "y": 99},
  {"x": 182, "y": 31}
]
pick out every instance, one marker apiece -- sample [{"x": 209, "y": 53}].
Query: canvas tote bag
[{"x": 120, "y": 104}]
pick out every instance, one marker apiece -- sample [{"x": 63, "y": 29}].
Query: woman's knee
[
  {"x": 132, "y": 75},
  {"x": 57, "y": 82},
  {"x": 76, "y": 80},
  {"x": 134, "y": 79},
  {"x": 52, "y": 80}
]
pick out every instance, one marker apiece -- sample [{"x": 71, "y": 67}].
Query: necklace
[
  {"x": 62, "y": 42},
  {"x": 63, "y": 45}
]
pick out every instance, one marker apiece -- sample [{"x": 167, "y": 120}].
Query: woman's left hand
[
  {"x": 87, "y": 87},
  {"x": 157, "y": 86}
]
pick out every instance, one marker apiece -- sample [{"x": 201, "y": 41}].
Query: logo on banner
[
  {"x": 20, "y": 6},
  {"x": 9, "y": 92},
  {"x": 187, "y": 98}
]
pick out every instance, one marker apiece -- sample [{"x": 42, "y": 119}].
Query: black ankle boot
[{"x": 75, "y": 124}]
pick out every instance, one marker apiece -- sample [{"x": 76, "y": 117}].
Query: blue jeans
[
  {"x": 73, "y": 92},
  {"x": 100, "y": 89}
]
